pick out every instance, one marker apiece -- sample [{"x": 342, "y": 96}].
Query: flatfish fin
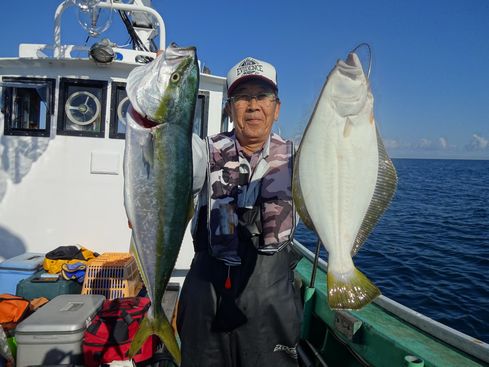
[
  {"x": 350, "y": 291},
  {"x": 384, "y": 191},
  {"x": 300, "y": 206}
]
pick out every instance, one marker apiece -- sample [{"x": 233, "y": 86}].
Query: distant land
[
  {"x": 469, "y": 154},
  {"x": 454, "y": 157}
]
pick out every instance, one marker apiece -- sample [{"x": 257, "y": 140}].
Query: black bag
[{"x": 65, "y": 253}]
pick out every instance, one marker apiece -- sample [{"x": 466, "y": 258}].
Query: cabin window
[
  {"x": 81, "y": 109},
  {"x": 120, "y": 103},
  {"x": 118, "y": 109},
  {"x": 224, "y": 122},
  {"x": 201, "y": 114},
  {"x": 27, "y": 104}
]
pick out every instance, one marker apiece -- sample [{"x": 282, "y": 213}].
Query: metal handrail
[
  {"x": 108, "y": 4},
  {"x": 453, "y": 337}
]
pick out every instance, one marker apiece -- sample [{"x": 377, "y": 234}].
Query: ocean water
[{"x": 430, "y": 250}]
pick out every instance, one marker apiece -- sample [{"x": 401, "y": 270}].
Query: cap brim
[{"x": 237, "y": 82}]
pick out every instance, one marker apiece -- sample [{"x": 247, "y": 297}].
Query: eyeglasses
[{"x": 263, "y": 99}]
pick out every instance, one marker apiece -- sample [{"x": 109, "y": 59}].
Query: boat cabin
[{"x": 62, "y": 130}]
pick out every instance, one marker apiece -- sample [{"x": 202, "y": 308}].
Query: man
[{"x": 238, "y": 305}]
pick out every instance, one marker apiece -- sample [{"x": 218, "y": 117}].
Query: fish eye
[{"x": 175, "y": 77}]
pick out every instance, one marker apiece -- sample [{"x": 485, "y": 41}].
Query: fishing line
[{"x": 276, "y": 128}]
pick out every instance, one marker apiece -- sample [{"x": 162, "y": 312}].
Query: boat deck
[{"x": 377, "y": 337}]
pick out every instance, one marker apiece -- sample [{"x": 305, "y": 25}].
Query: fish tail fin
[
  {"x": 161, "y": 327},
  {"x": 350, "y": 291}
]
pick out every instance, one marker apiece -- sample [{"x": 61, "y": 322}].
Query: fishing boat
[{"x": 62, "y": 130}]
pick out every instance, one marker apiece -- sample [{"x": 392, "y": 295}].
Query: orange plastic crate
[{"x": 112, "y": 274}]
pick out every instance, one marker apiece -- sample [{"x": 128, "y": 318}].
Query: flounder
[{"x": 343, "y": 179}]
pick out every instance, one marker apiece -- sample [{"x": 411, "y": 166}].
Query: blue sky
[{"x": 430, "y": 72}]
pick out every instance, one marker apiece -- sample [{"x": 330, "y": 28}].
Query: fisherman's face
[{"x": 253, "y": 120}]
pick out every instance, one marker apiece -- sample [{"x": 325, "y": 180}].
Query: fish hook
[{"x": 364, "y": 44}]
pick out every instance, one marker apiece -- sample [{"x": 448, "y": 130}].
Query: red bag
[
  {"x": 13, "y": 308},
  {"x": 109, "y": 335}
]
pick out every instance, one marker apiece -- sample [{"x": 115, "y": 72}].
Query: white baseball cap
[{"x": 251, "y": 68}]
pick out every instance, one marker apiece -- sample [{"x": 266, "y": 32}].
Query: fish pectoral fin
[
  {"x": 148, "y": 153},
  {"x": 161, "y": 327},
  {"x": 347, "y": 128},
  {"x": 350, "y": 291}
]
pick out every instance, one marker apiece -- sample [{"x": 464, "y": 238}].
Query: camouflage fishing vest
[{"x": 233, "y": 190}]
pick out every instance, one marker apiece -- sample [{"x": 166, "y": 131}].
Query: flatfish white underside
[{"x": 340, "y": 185}]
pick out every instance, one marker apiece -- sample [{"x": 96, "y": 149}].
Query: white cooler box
[{"x": 53, "y": 334}]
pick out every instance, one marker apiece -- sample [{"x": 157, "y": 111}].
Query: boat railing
[
  {"x": 59, "y": 51},
  {"x": 44, "y": 51},
  {"x": 452, "y": 337}
]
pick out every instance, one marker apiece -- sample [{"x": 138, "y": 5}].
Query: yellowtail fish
[
  {"x": 343, "y": 179},
  {"x": 158, "y": 176}
]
